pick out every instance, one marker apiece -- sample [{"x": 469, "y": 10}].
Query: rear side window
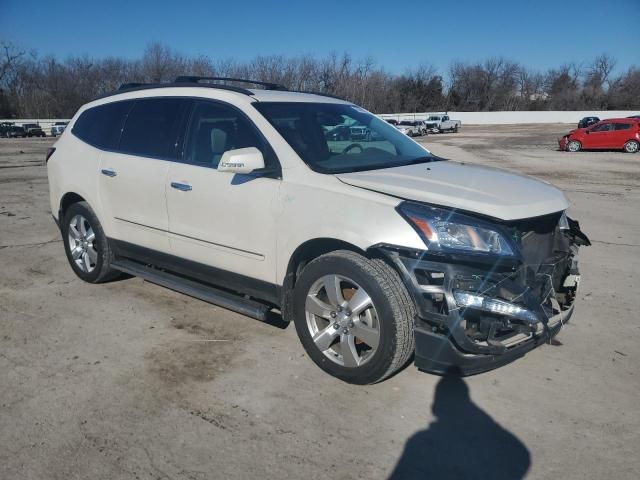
[
  {"x": 151, "y": 128},
  {"x": 101, "y": 126},
  {"x": 622, "y": 126}
]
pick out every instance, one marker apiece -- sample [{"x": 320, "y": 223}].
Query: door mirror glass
[{"x": 241, "y": 160}]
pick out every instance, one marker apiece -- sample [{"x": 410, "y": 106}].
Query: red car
[{"x": 610, "y": 134}]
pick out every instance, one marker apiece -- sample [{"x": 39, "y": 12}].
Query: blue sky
[{"x": 397, "y": 34}]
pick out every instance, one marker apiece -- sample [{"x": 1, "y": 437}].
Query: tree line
[{"x": 47, "y": 87}]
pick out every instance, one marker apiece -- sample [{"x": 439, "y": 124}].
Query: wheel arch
[
  {"x": 301, "y": 256},
  {"x": 66, "y": 201},
  {"x": 69, "y": 198}
]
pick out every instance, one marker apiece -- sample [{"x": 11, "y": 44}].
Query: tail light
[{"x": 49, "y": 153}]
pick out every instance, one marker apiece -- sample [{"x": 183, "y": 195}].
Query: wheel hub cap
[
  {"x": 342, "y": 320},
  {"x": 82, "y": 244}
]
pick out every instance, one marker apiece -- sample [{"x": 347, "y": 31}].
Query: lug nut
[
  {"x": 345, "y": 330},
  {"x": 333, "y": 314},
  {"x": 350, "y": 324},
  {"x": 336, "y": 326}
]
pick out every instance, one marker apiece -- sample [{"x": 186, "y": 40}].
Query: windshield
[{"x": 339, "y": 138}]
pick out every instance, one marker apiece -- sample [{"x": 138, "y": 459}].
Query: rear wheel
[
  {"x": 86, "y": 245},
  {"x": 354, "y": 317},
  {"x": 631, "y": 146},
  {"x": 574, "y": 146}
]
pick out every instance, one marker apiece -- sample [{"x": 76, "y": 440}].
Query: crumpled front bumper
[
  {"x": 468, "y": 341},
  {"x": 562, "y": 142},
  {"x": 440, "y": 354}
]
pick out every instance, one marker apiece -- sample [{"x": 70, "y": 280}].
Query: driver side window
[
  {"x": 605, "y": 127},
  {"x": 215, "y": 129}
]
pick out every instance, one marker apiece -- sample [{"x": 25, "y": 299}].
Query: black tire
[
  {"x": 631, "y": 146},
  {"x": 102, "y": 271},
  {"x": 395, "y": 309}
]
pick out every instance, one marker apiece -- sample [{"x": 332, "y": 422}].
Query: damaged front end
[{"x": 501, "y": 290}]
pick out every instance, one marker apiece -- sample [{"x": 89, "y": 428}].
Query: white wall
[{"x": 505, "y": 118}]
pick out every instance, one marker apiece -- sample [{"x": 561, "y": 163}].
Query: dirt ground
[{"x": 130, "y": 380}]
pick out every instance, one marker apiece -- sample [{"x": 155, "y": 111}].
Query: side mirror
[{"x": 241, "y": 160}]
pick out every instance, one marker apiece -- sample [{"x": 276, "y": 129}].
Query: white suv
[{"x": 377, "y": 250}]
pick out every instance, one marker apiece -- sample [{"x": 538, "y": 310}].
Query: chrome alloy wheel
[
  {"x": 342, "y": 320},
  {"x": 82, "y": 243},
  {"x": 573, "y": 146},
  {"x": 631, "y": 146}
]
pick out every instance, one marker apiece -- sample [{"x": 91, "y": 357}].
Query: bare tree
[{"x": 48, "y": 87}]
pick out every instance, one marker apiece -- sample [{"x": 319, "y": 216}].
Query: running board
[{"x": 227, "y": 300}]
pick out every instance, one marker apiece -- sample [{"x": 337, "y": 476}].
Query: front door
[
  {"x": 221, "y": 219},
  {"x": 599, "y": 136}
]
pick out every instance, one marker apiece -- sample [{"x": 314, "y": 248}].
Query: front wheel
[
  {"x": 574, "y": 146},
  {"x": 631, "y": 146},
  {"x": 354, "y": 317}
]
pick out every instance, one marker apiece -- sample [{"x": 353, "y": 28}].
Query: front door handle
[
  {"x": 109, "y": 172},
  {"x": 183, "y": 187}
]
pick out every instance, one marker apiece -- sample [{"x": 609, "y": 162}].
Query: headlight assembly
[{"x": 447, "y": 231}]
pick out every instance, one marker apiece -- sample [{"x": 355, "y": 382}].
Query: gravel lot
[{"x": 130, "y": 380}]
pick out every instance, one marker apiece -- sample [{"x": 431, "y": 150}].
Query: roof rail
[
  {"x": 128, "y": 86},
  {"x": 320, "y": 94},
  {"x": 195, "y": 79}
]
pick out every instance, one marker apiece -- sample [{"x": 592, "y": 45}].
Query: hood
[{"x": 483, "y": 190}]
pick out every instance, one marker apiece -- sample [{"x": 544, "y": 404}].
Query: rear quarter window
[
  {"x": 622, "y": 126},
  {"x": 101, "y": 126}
]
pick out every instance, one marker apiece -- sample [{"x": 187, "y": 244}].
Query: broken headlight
[{"x": 445, "y": 230}]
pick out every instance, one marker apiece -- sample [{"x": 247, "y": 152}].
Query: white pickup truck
[{"x": 442, "y": 123}]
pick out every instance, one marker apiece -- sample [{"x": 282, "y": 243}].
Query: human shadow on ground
[{"x": 463, "y": 442}]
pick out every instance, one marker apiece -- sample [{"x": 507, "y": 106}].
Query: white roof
[
  {"x": 217, "y": 93},
  {"x": 284, "y": 96}
]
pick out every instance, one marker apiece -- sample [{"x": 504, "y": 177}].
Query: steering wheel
[{"x": 351, "y": 147}]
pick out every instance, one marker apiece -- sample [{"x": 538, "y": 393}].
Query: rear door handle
[
  {"x": 109, "y": 172},
  {"x": 183, "y": 187}
]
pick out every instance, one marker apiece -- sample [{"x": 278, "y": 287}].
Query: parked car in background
[
  {"x": 637, "y": 117},
  {"x": 58, "y": 128},
  {"x": 17, "y": 131},
  {"x": 587, "y": 122},
  {"x": 408, "y": 128},
  {"x": 5, "y": 127},
  {"x": 422, "y": 127},
  {"x": 442, "y": 123},
  {"x": 610, "y": 134},
  {"x": 392, "y": 121},
  {"x": 34, "y": 130}
]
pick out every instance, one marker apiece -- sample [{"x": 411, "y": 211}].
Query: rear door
[
  {"x": 622, "y": 132},
  {"x": 133, "y": 176},
  {"x": 221, "y": 219}
]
